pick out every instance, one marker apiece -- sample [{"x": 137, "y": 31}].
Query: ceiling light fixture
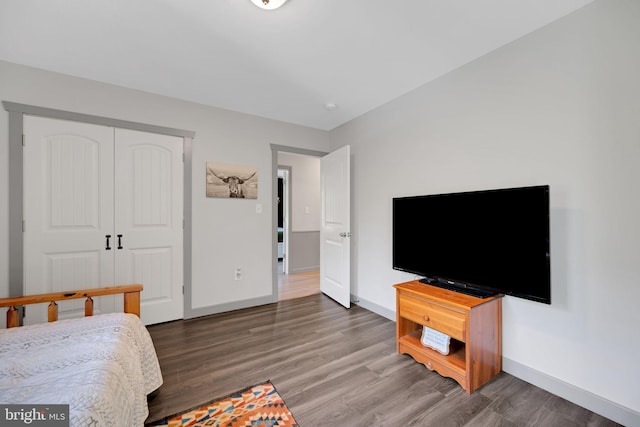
[{"x": 268, "y": 4}]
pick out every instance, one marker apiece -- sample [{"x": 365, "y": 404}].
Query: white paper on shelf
[{"x": 435, "y": 340}]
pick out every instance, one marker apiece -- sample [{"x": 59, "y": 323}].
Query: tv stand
[
  {"x": 458, "y": 287},
  {"x": 474, "y": 325}
]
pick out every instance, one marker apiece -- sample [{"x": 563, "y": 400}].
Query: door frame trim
[
  {"x": 16, "y": 197},
  {"x": 51, "y": 113}
]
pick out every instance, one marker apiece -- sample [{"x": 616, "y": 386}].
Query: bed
[{"x": 102, "y": 366}]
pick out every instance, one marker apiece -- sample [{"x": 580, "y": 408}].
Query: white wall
[
  {"x": 226, "y": 233},
  {"x": 305, "y": 190},
  {"x": 561, "y": 107}
]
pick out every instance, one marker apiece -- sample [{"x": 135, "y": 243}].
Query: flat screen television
[{"x": 480, "y": 242}]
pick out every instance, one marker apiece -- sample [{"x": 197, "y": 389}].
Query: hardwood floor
[
  {"x": 336, "y": 367},
  {"x": 298, "y": 285}
]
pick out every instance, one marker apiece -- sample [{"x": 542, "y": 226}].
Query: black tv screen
[{"x": 493, "y": 240}]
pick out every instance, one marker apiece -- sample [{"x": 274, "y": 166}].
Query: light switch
[{"x": 258, "y": 208}]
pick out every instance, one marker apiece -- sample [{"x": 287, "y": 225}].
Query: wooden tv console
[{"x": 474, "y": 325}]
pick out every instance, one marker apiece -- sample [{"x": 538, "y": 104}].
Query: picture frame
[{"x": 231, "y": 181}]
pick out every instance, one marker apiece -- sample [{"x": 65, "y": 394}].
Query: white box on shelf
[{"x": 435, "y": 340}]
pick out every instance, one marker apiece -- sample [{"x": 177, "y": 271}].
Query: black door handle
[
  {"x": 108, "y": 236},
  {"x": 119, "y": 241}
]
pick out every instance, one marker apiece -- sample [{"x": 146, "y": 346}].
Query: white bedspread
[{"x": 102, "y": 366}]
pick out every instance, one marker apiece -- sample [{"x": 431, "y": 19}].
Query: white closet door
[
  {"x": 84, "y": 182},
  {"x": 149, "y": 219},
  {"x": 68, "y": 211}
]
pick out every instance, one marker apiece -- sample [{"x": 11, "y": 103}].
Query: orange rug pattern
[{"x": 256, "y": 406}]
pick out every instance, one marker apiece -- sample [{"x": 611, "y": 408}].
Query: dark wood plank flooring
[{"x": 336, "y": 367}]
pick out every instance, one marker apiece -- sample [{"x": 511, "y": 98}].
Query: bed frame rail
[{"x": 131, "y": 301}]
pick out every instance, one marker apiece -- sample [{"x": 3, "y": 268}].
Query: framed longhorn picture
[{"x": 231, "y": 181}]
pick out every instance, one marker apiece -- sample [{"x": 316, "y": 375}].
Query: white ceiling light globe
[{"x": 268, "y": 4}]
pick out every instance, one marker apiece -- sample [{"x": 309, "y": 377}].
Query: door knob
[{"x": 347, "y": 234}]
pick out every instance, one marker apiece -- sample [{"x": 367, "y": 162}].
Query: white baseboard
[
  {"x": 377, "y": 309},
  {"x": 191, "y": 313},
  {"x": 618, "y": 413}
]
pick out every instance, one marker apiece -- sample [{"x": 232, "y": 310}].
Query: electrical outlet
[{"x": 238, "y": 273}]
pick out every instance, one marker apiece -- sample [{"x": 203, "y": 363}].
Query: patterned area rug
[{"x": 256, "y": 406}]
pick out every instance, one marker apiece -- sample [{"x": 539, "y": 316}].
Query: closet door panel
[
  {"x": 149, "y": 217},
  {"x": 68, "y": 211}
]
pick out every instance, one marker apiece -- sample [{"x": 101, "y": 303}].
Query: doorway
[
  {"x": 284, "y": 209},
  {"x": 294, "y": 275}
]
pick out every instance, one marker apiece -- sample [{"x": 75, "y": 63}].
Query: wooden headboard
[{"x": 131, "y": 301}]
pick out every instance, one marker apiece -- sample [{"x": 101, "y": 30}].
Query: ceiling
[{"x": 285, "y": 64}]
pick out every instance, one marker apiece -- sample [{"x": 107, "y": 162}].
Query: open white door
[{"x": 335, "y": 242}]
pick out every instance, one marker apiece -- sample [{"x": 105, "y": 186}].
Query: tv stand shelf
[{"x": 474, "y": 324}]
